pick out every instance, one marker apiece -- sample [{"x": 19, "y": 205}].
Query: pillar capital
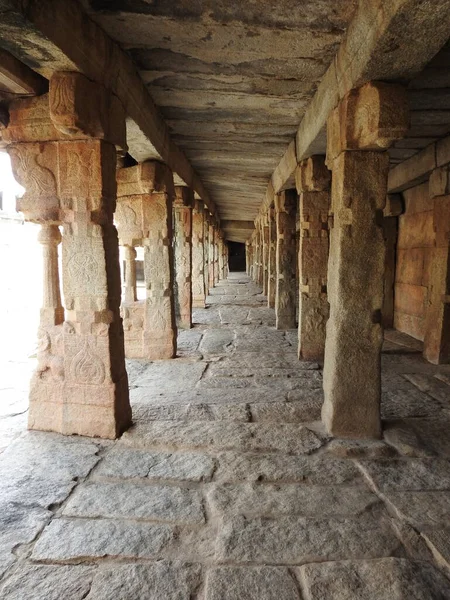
[
  {"x": 148, "y": 177},
  {"x": 184, "y": 197},
  {"x": 370, "y": 117},
  {"x": 312, "y": 175}
]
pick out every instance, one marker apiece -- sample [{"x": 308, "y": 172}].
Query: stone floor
[{"x": 227, "y": 487}]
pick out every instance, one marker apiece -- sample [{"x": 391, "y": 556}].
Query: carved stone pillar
[
  {"x": 360, "y": 129},
  {"x": 286, "y": 213},
  {"x": 198, "y": 265},
  {"x": 130, "y": 274},
  {"x": 266, "y": 242},
  {"x": 63, "y": 151},
  {"x": 206, "y": 249},
  {"x": 247, "y": 256},
  {"x": 272, "y": 275},
  {"x": 52, "y": 311},
  {"x": 216, "y": 256},
  {"x": 313, "y": 182},
  {"x": 437, "y": 324},
  {"x": 221, "y": 257},
  {"x": 183, "y": 256},
  {"x": 211, "y": 257}
]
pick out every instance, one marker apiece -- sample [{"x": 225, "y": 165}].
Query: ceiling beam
[
  {"x": 386, "y": 40},
  {"x": 57, "y": 35}
]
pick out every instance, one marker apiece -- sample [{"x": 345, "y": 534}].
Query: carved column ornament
[
  {"x": 63, "y": 148},
  {"x": 272, "y": 260},
  {"x": 266, "y": 242},
  {"x": 198, "y": 264},
  {"x": 286, "y": 214},
  {"x": 145, "y": 196},
  {"x": 360, "y": 129},
  {"x": 182, "y": 207},
  {"x": 313, "y": 183}
]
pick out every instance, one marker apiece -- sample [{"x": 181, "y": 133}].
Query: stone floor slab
[
  {"x": 255, "y": 583},
  {"x": 407, "y": 474},
  {"x": 383, "y": 579},
  {"x": 167, "y": 504}
]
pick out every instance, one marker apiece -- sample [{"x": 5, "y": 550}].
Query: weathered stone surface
[
  {"x": 289, "y": 412},
  {"x": 437, "y": 389},
  {"x": 188, "y": 340},
  {"x": 217, "y": 341},
  {"x": 421, "y": 508},
  {"x": 19, "y": 525},
  {"x": 127, "y": 463},
  {"x": 382, "y": 579},
  {"x": 402, "y": 436},
  {"x": 266, "y": 500},
  {"x": 40, "y": 469},
  {"x": 42, "y": 582},
  {"x": 359, "y": 449},
  {"x": 224, "y": 435},
  {"x": 192, "y": 412},
  {"x": 169, "y": 580},
  {"x": 285, "y": 295},
  {"x": 256, "y": 583},
  {"x": 170, "y": 376},
  {"x": 167, "y": 504},
  {"x": 295, "y": 540},
  {"x": 234, "y": 467},
  {"x": 438, "y": 541},
  {"x": 397, "y": 404},
  {"x": 66, "y": 539},
  {"x": 407, "y": 474}
]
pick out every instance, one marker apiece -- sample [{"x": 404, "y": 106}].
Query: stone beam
[
  {"x": 56, "y": 35},
  {"x": 238, "y": 225},
  {"x": 16, "y": 79},
  {"x": 367, "y": 53}
]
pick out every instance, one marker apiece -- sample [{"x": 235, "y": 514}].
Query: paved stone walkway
[{"x": 227, "y": 487}]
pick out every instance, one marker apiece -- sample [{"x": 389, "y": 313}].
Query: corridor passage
[{"x": 227, "y": 486}]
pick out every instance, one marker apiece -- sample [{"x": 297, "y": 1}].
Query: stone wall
[{"x": 414, "y": 255}]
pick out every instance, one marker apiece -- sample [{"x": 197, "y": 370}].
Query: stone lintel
[
  {"x": 312, "y": 175},
  {"x": 145, "y": 178},
  {"x": 371, "y": 117}
]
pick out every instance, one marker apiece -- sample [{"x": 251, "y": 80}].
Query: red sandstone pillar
[
  {"x": 360, "y": 129},
  {"x": 198, "y": 264},
  {"x": 437, "y": 324},
  {"x": 183, "y": 256},
  {"x": 63, "y": 150},
  {"x": 313, "y": 182},
  {"x": 285, "y": 305}
]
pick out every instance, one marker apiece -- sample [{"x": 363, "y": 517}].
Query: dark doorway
[{"x": 236, "y": 256}]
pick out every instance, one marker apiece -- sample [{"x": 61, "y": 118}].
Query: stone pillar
[
  {"x": 211, "y": 248},
  {"x": 183, "y": 256},
  {"x": 313, "y": 183},
  {"x": 52, "y": 311},
  {"x": 360, "y": 129},
  {"x": 216, "y": 255},
  {"x": 437, "y": 324},
  {"x": 63, "y": 151},
  {"x": 247, "y": 256},
  {"x": 198, "y": 281},
  {"x": 392, "y": 210},
  {"x": 130, "y": 274},
  {"x": 206, "y": 249},
  {"x": 221, "y": 257},
  {"x": 286, "y": 213},
  {"x": 272, "y": 275},
  {"x": 266, "y": 242}
]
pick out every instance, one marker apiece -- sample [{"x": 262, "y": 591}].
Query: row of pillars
[
  {"x": 64, "y": 149},
  {"x": 333, "y": 230}
]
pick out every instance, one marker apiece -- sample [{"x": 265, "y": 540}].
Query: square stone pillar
[
  {"x": 360, "y": 129},
  {"x": 63, "y": 151},
  {"x": 272, "y": 275},
  {"x": 216, "y": 255},
  {"x": 286, "y": 214},
  {"x": 130, "y": 274},
  {"x": 437, "y": 324},
  {"x": 198, "y": 264},
  {"x": 182, "y": 208},
  {"x": 146, "y": 194},
  {"x": 206, "y": 257},
  {"x": 313, "y": 183},
  {"x": 211, "y": 257},
  {"x": 266, "y": 242}
]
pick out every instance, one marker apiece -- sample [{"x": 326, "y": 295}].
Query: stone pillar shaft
[
  {"x": 130, "y": 274},
  {"x": 313, "y": 180},
  {"x": 272, "y": 260},
  {"x": 359, "y": 130},
  {"x": 63, "y": 151},
  {"x": 52, "y": 311},
  {"x": 437, "y": 324},
  {"x": 198, "y": 265},
  {"x": 266, "y": 242},
  {"x": 183, "y": 256},
  {"x": 160, "y": 332},
  {"x": 286, "y": 212},
  {"x": 211, "y": 249}
]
